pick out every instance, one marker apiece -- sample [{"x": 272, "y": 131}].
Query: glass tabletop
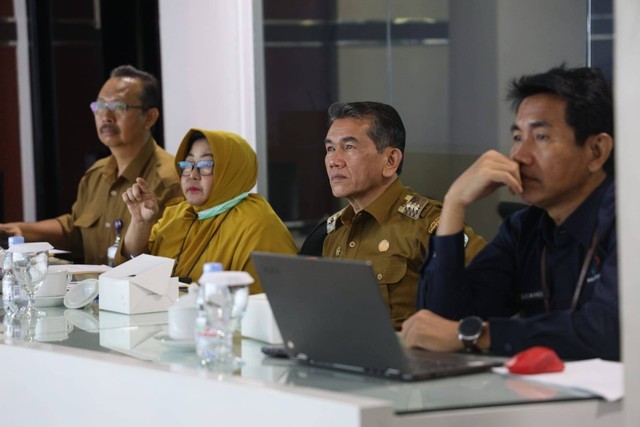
[{"x": 144, "y": 337}]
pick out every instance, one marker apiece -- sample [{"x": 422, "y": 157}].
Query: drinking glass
[
  {"x": 240, "y": 299},
  {"x": 220, "y": 310},
  {"x": 213, "y": 331},
  {"x": 19, "y": 328},
  {"x": 30, "y": 269}
]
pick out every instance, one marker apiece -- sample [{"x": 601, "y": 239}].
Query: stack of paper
[{"x": 600, "y": 377}]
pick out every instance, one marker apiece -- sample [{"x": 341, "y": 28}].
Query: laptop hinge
[
  {"x": 347, "y": 367},
  {"x": 392, "y": 372}
]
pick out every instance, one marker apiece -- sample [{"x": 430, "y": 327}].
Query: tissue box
[
  {"x": 141, "y": 285},
  {"x": 258, "y": 321}
]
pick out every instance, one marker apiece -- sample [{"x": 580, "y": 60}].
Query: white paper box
[
  {"x": 258, "y": 321},
  {"x": 141, "y": 285}
]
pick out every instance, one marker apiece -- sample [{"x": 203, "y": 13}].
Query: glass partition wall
[
  {"x": 318, "y": 52},
  {"x": 443, "y": 64},
  {"x": 600, "y": 36}
]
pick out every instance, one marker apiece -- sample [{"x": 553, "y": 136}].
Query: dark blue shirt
[{"x": 503, "y": 283}]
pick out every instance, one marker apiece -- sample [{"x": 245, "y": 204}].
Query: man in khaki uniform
[
  {"x": 386, "y": 223},
  {"x": 125, "y": 112}
]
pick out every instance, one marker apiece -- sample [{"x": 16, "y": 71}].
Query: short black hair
[
  {"x": 150, "y": 96},
  {"x": 195, "y": 136},
  {"x": 386, "y": 130},
  {"x": 588, "y": 96}
]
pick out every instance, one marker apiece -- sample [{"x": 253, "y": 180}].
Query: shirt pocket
[
  {"x": 88, "y": 219},
  {"x": 388, "y": 270}
]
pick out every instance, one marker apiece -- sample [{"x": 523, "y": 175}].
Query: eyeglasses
[
  {"x": 204, "y": 167},
  {"x": 117, "y": 107}
]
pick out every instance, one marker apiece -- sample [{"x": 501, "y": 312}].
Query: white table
[{"x": 113, "y": 370}]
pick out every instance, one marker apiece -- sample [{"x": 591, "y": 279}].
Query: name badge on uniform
[{"x": 530, "y": 296}]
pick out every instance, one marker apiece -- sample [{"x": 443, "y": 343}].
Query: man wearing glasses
[{"x": 125, "y": 112}]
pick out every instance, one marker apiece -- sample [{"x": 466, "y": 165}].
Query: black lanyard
[
  {"x": 187, "y": 278},
  {"x": 583, "y": 273}
]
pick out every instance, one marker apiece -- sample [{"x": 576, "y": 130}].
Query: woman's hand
[{"x": 141, "y": 202}]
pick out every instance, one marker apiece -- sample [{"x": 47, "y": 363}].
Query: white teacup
[
  {"x": 54, "y": 285},
  {"x": 182, "y": 321}
]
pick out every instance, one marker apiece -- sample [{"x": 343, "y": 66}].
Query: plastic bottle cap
[
  {"x": 210, "y": 267},
  {"x": 15, "y": 240},
  {"x": 30, "y": 247},
  {"x": 226, "y": 278}
]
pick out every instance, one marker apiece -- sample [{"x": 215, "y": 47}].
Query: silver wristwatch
[{"x": 469, "y": 332}]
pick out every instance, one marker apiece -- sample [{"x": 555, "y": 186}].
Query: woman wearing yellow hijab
[{"x": 219, "y": 220}]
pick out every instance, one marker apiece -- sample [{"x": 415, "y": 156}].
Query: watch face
[{"x": 470, "y": 327}]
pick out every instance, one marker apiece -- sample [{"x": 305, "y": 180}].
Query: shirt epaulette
[
  {"x": 433, "y": 225},
  {"x": 332, "y": 221},
  {"x": 413, "y": 206}
]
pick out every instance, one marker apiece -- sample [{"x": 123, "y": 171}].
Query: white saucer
[
  {"x": 81, "y": 294},
  {"x": 167, "y": 341},
  {"x": 49, "y": 301}
]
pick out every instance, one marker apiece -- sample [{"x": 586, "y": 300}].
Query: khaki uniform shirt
[
  {"x": 89, "y": 229},
  {"x": 393, "y": 233}
]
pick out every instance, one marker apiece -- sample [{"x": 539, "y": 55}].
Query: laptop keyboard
[
  {"x": 424, "y": 362},
  {"x": 426, "y": 365}
]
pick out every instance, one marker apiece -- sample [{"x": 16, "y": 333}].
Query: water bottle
[
  {"x": 213, "y": 329},
  {"x": 13, "y": 296}
]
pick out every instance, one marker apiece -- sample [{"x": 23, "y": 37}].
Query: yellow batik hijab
[
  {"x": 235, "y": 172},
  {"x": 228, "y": 237}
]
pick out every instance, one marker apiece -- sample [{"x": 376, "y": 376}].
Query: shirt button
[
  {"x": 352, "y": 244},
  {"x": 113, "y": 192},
  {"x": 379, "y": 276},
  {"x": 107, "y": 225}
]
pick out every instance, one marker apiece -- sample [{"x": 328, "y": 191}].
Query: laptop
[{"x": 331, "y": 314}]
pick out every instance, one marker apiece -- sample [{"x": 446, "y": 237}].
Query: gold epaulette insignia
[
  {"x": 332, "y": 221},
  {"x": 413, "y": 206},
  {"x": 434, "y": 225}
]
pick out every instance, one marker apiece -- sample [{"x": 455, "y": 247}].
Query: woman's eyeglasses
[{"x": 204, "y": 167}]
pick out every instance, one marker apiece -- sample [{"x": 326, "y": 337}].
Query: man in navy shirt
[{"x": 549, "y": 277}]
